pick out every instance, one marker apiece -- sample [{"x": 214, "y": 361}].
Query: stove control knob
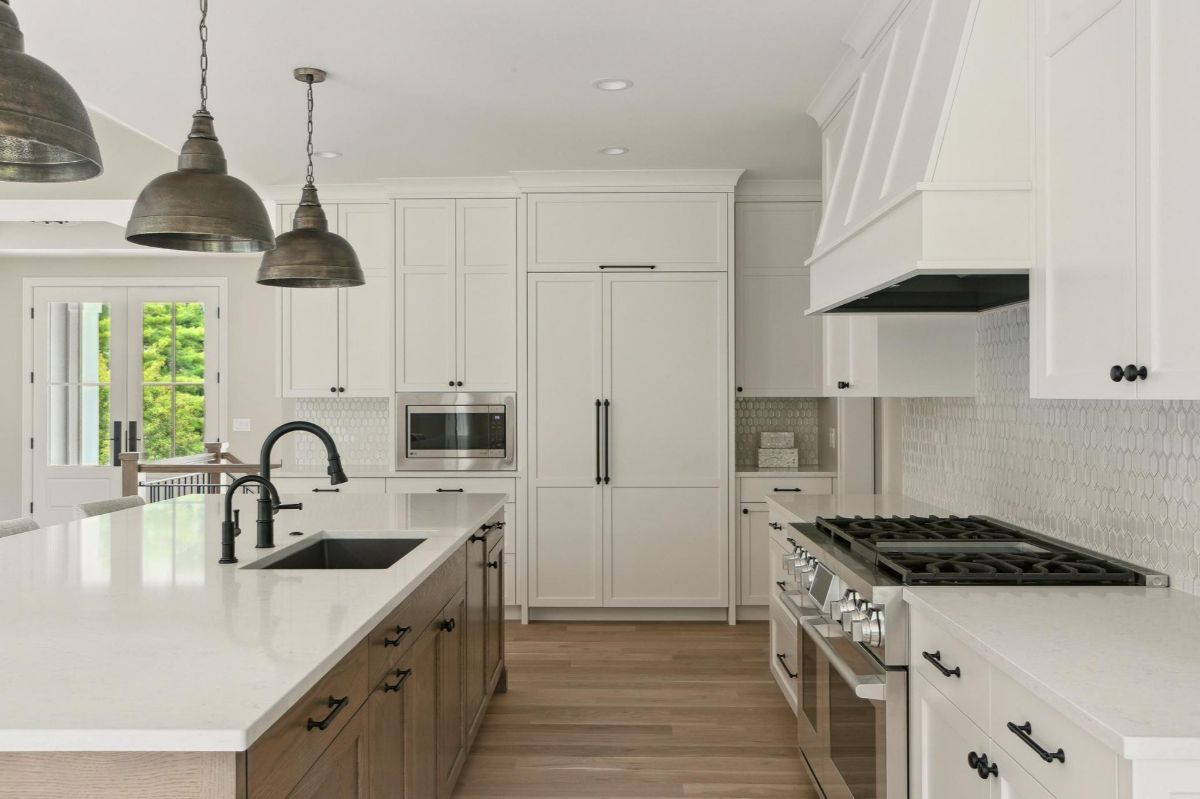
[
  {"x": 872, "y": 628},
  {"x": 804, "y": 572},
  {"x": 856, "y": 615},
  {"x": 843, "y": 608}
]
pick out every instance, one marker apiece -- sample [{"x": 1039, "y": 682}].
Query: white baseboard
[
  {"x": 752, "y": 612},
  {"x": 512, "y": 612}
]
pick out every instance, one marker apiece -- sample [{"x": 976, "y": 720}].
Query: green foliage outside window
[{"x": 173, "y": 379}]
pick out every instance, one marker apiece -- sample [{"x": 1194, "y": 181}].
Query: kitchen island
[{"x": 137, "y": 666}]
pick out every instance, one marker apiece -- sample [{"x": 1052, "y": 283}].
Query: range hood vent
[{"x": 928, "y": 163}]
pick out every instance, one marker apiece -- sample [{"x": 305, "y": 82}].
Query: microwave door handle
[{"x": 865, "y": 687}]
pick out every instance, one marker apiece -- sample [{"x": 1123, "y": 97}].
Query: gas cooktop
[{"x": 931, "y": 550}]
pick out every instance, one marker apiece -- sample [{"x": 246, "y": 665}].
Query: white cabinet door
[
  {"x": 487, "y": 294},
  {"x": 665, "y": 372},
  {"x": 565, "y": 493},
  {"x": 754, "y": 551},
  {"x": 1013, "y": 782},
  {"x": 778, "y": 348},
  {"x": 1168, "y": 280},
  {"x": 850, "y": 363},
  {"x": 1083, "y": 287},
  {"x": 940, "y": 740},
  {"x": 368, "y": 311},
  {"x": 672, "y": 232},
  {"x": 310, "y": 330},
  {"x": 425, "y": 296}
]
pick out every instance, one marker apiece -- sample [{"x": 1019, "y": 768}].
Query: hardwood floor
[{"x": 637, "y": 710}]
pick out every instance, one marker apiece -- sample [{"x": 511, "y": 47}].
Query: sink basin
[{"x": 345, "y": 553}]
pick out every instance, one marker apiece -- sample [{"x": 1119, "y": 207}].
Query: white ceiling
[{"x": 422, "y": 88}]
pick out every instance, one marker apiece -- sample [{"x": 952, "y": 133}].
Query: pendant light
[
  {"x": 200, "y": 207},
  {"x": 45, "y": 133},
  {"x": 309, "y": 256}
]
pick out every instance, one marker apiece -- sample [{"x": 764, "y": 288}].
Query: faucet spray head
[{"x": 336, "y": 475}]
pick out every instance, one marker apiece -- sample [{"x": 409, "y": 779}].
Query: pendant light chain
[
  {"x": 311, "y": 177},
  {"x": 203, "y": 55}
]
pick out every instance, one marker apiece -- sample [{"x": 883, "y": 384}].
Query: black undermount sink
[{"x": 346, "y": 553}]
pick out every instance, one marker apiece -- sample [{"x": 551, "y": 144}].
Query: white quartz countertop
[
  {"x": 808, "y": 507},
  {"x": 123, "y": 633},
  {"x": 1123, "y": 663}
]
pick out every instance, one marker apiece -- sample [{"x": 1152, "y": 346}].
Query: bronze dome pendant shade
[
  {"x": 200, "y": 207},
  {"x": 45, "y": 133},
  {"x": 310, "y": 256}
]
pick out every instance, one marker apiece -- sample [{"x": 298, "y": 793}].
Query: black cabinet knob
[
  {"x": 739, "y": 388},
  {"x": 842, "y": 384},
  {"x": 1117, "y": 374},
  {"x": 459, "y": 384},
  {"x": 493, "y": 564},
  {"x": 981, "y": 766},
  {"x": 1134, "y": 373},
  {"x": 447, "y": 625},
  {"x": 451, "y": 384},
  {"x": 333, "y": 389},
  {"x": 341, "y": 389}
]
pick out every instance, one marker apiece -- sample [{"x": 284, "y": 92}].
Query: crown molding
[
  {"x": 779, "y": 191},
  {"x": 875, "y": 19},
  {"x": 698, "y": 180},
  {"x": 115, "y": 212},
  {"x": 404, "y": 188}
]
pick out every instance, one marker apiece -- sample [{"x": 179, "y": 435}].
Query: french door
[{"x": 117, "y": 369}]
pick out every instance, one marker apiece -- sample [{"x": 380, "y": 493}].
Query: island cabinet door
[
  {"x": 476, "y": 623},
  {"x": 494, "y": 643},
  {"x": 402, "y": 715},
  {"x": 451, "y": 718},
  {"x": 341, "y": 770}
]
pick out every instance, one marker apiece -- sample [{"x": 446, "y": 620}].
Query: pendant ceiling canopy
[
  {"x": 200, "y": 207},
  {"x": 310, "y": 256},
  {"x": 45, "y": 133}
]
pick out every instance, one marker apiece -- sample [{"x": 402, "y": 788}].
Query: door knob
[{"x": 842, "y": 384}]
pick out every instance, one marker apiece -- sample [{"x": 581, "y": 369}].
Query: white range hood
[{"x": 928, "y": 160}]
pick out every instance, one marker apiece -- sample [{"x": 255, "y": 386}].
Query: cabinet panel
[
  {"x": 1014, "y": 782},
  {"x": 581, "y": 232},
  {"x": 775, "y": 237},
  {"x": 754, "y": 548},
  {"x": 1168, "y": 280},
  {"x": 368, "y": 311},
  {"x": 486, "y": 261},
  {"x": 311, "y": 342},
  {"x": 476, "y": 630},
  {"x": 494, "y": 644},
  {"x": 1083, "y": 284},
  {"x": 320, "y": 485},
  {"x": 425, "y": 295},
  {"x": 779, "y": 349},
  {"x": 565, "y": 546},
  {"x": 940, "y": 739},
  {"x": 851, "y": 356},
  {"x": 342, "y": 770},
  {"x": 387, "y": 731},
  {"x": 784, "y": 641},
  {"x": 451, "y": 717}
]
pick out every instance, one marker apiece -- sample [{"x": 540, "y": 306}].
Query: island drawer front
[
  {"x": 968, "y": 687},
  {"x": 757, "y": 489},
  {"x": 283, "y": 754},
  {"x": 415, "y": 613},
  {"x": 321, "y": 485},
  {"x": 469, "y": 485},
  {"x": 1088, "y": 769}
]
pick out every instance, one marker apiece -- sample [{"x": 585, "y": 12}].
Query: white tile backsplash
[
  {"x": 1119, "y": 477},
  {"x": 360, "y": 426}
]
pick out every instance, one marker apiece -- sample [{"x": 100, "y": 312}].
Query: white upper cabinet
[
  {"x": 337, "y": 342},
  {"x": 667, "y": 231},
  {"x": 778, "y": 348},
  {"x": 899, "y": 356},
  {"x": 456, "y": 295},
  {"x": 1114, "y": 283}
]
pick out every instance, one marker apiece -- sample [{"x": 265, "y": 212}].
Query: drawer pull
[
  {"x": 477, "y": 537},
  {"x": 400, "y": 633},
  {"x": 782, "y": 585},
  {"x": 788, "y": 490},
  {"x": 451, "y": 490},
  {"x": 447, "y": 625},
  {"x": 336, "y": 706},
  {"x": 403, "y": 674},
  {"x": 936, "y": 659},
  {"x": 493, "y": 564},
  {"x": 982, "y": 767},
  {"x": 327, "y": 490},
  {"x": 795, "y": 544},
  {"x": 1025, "y": 733},
  {"x": 775, "y": 526},
  {"x": 489, "y": 527},
  {"x": 783, "y": 662}
]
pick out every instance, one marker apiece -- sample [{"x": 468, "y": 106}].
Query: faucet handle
[
  {"x": 294, "y": 506},
  {"x": 237, "y": 522}
]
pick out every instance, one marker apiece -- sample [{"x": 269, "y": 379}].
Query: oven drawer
[
  {"x": 757, "y": 489},
  {"x": 966, "y": 684},
  {"x": 784, "y": 650},
  {"x": 1087, "y": 768}
]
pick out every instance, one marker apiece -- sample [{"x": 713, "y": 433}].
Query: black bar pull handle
[
  {"x": 598, "y": 479},
  {"x": 795, "y": 544},
  {"x": 607, "y": 441},
  {"x": 1025, "y": 733},
  {"x": 936, "y": 659},
  {"x": 628, "y": 266},
  {"x": 116, "y": 444},
  {"x": 336, "y": 706},
  {"x": 451, "y": 490},
  {"x": 788, "y": 490},
  {"x": 775, "y": 525},
  {"x": 783, "y": 662},
  {"x": 477, "y": 537},
  {"x": 403, "y": 674},
  {"x": 327, "y": 490},
  {"x": 782, "y": 585},
  {"x": 401, "y": 631},
  {"x": 131, "y": 438}
]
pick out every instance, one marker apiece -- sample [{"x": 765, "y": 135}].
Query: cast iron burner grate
[{"x": 970, "y": 550}]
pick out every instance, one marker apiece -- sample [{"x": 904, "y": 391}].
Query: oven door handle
[{"x": 870, "y": 687}]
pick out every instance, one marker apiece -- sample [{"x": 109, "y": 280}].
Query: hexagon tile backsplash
[
  {"x": 1119, "y": 477},
  {"x": 361, "y": 427}
]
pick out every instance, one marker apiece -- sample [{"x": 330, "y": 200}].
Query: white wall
[{"x": 250, "y": 373}]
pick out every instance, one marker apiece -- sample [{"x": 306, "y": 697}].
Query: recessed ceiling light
[
  {"x": 328, "y": 154},
  {"x": 614, "y": 150},
  {"x": 613, "y": 84}
]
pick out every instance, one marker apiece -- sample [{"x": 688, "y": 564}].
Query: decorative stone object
[
  {"x": 778, "y": 458},
  {"x": 777, "y": 440}
]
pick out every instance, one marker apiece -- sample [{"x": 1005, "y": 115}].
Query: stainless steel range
[{"x": 846, "y": 576}]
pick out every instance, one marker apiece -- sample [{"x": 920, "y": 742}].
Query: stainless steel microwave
[{"x": 457, "y": 432}]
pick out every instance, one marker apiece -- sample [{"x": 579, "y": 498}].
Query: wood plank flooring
[{"x": 639, "y": 711}]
